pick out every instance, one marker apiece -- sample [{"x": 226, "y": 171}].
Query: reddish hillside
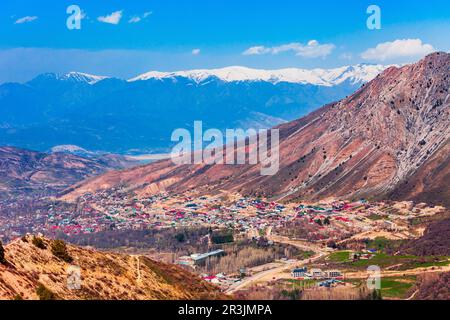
[
  {"x": 393, "y": 132},
  {"x": 24, "y": 172},
  {"x": 435, "y": 241},
  {"x": 104, "y": 276},
  {"x": 433, "y": 287}
]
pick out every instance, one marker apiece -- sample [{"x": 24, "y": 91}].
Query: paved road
[{"x": 270, "y": 274}]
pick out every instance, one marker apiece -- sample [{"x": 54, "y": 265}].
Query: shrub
[
  {"x": 44, "y": 293},
  {"x": 2, "y": 253},
  {"x": 59, "y": 249},
  {"x": 39, "y": 243},
  {"x": 375, "y": 295},
  {"x": 180, "y": 237},
  {"x": 222, "y": 237}
]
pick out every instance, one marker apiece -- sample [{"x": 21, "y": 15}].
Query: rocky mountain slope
[
  {"x": 433, "y": 286},
  {"x": 435, "y": 241},
  {"x": 389, "y": 139},
  {"x": 104, "y": 276},
  {"x": 24, "y": 172}
]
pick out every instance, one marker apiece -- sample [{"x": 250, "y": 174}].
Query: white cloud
[
  {"x": 313, "y": 49},
  {"x": 136, "y": 19},
  {"x": 26, "y": 19},
  {"x": 398, "y": 49},
  {"x": 196, "y": 52},
  {"x": 113, "y": 18},
  {"x": 83, "y": 15},
  {"x": 346, "y": 56},
  {"x": 258, "y": 50}
]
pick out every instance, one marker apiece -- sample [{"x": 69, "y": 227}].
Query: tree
[
  {"x": 222, "y": 237},
  {"x": 59, "y": 250},
  {"x": 332, "y": 244},
  {"x": 181, "y": 237},
  {"x": 2, "y": 253},
  {"x": 375, "y": 295},
  {"x": 39, "y": 243},
  {"x": 44, "y": 293}
]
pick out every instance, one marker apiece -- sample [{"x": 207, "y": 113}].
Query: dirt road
[{"x": 389, "y": 274}]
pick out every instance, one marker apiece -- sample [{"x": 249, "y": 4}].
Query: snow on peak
[
  {"x": 326, "y": 77},
  {"x": 68, "y": 148},
  {"x": 81, "y": 77}
]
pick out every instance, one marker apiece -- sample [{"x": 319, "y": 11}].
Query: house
[
  {"x": 366, "y": 256},
  {"x": 316, "y": 273},
  {"x": 333, "y": 274},
  {"x": 198, "y": 257},
  {"x": 212, "y": 279},
  {"x": 185, "y": 261},
  {"x": 299, "y": 272}
]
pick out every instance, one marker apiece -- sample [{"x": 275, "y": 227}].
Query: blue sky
[{"x": 126, "y": 38}]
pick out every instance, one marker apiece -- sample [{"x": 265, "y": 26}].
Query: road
[
  {"x": 413, "y": 295},
  {"x": 302, "y": 245},
  {"x": 396, "y": 273},
  {"x": 268, "y": 275},
  {"x": 320, "y": 252}
]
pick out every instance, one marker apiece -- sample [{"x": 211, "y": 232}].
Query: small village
[
  {"x": 250, "y": 217},
  {"x": 323, "y": 226}
]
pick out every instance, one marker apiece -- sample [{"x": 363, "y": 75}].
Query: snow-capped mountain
[
  {"x": 322, "y": 77},
  {"x": 354, "y": 75},
  {"x": 81, "y": 77},
  {"x": 71, "y": 149},
  {"x": 78, "y": 77},
  {"x": 114, "y": 115}
]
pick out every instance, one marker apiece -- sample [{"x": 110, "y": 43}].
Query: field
[
  {"x": 397, "y": 287},
  {"x": 383, "y": 260},
  {"x": 392, "y": 287}
]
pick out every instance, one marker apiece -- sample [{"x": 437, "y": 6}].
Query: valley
[{"x": 362, "y": 182}]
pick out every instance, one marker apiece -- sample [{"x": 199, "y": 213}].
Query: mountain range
[
  {"x": 138, "y": 115},
  {"x": 321, "y": 77},
  {"x": 389, "y": 140}
]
